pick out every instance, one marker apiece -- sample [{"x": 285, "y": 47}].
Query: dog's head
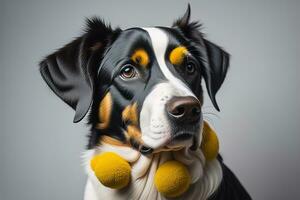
[{"x": 143, "y": 85}]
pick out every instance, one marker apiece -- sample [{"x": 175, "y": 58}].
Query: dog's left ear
[
  {"x": 71, "y": 71},
  {"x": 214, "y": 59}
]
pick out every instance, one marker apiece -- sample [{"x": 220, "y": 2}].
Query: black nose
[{"x": 184, "y": 109}]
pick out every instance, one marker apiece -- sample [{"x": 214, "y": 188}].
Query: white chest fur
[{"x": 206, "y": 177}]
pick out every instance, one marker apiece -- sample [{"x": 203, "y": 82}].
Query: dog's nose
[{"x": 184, "y": 109}]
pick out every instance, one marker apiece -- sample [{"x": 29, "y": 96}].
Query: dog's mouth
[
  {"x": 178, "y": 141},
  {"x": 145, "y": 150}
]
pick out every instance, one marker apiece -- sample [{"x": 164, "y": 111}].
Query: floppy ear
[
  {"x": 70, "y": 72},
  {"x": 213, "y": 57},
  {"x": 215, "y": 74}
]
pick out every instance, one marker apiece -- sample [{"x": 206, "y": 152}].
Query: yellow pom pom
[
  {"x": 210, "y": 142},
  {"x": 111, "y": 170},
  {"x": 172, "y": 179}
]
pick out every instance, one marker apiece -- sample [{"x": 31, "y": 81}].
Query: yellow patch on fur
[
  {"x": 130, "y": 114},
  {"x": 177, "y": 55},
  {"x": 105, "y": 111},
  {"x": 140, "y": 57}
]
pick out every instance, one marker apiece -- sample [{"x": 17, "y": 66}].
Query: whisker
[
  {"x": 208, "y": 107},
  {"x": 211, "y": 113},
  {"x": 209, "y": 120}
]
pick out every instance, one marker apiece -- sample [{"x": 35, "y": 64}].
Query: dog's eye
[
  {"x": 128, "y": 72},
  {"x": 190, "y": 68}
]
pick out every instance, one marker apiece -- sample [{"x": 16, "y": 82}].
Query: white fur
[
  {"x": 154, "y": 124},
  {"x": 155, "y": 127},
  {"x": 206, "y": 177},
  {"x": 160, "y": 41}
]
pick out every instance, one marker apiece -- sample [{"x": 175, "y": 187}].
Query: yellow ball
[
  {"x": 172, "y": 179},
  {"x": 210, "y": 143},
  {"x": 111, "y": 170}
]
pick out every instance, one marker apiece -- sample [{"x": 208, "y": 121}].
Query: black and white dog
[{"x": 142, "y": 88}]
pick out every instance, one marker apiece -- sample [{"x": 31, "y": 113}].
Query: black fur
[
  {"x": 230, "y": 187},
  {"x": 70, "y": 71}
]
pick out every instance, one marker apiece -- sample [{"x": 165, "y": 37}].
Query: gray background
[{"x": 258, "y": 125}]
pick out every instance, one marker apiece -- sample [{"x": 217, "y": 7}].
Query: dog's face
[
  {"x": 143, "y": 84},
  {"x": 154, "y": 91}
]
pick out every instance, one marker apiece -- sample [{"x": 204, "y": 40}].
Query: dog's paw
[
  {"x": 111, "y": 170},
  {"x": 210, "y": 142}
]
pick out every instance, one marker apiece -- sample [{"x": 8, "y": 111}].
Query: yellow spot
[
  {"x": 130, "y": 114},
  {"x": 210, "y": 142},
  {"x": 105, "y": 111},
  {"x": 111, "y": 170},
  {"x": 140, "y": 57},
  {"x": 177, "y": 55},
  {"x": 172, "y": 179}
]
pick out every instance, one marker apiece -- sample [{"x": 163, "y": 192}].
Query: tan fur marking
[
  {"x": 140, "y": 57},
  {"x": 105, "y": 111},
  {"x": 96, "y": 46},
  {"x": 134, "y": 132},
  {"x": 177, "y": 55},
  {"x": 126, "y": 113},
  {"x": 130, "y": 114},
  {"x": 109, "y": 140}
]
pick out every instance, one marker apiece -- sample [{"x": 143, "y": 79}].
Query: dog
[{"x": 142, "y": 90}]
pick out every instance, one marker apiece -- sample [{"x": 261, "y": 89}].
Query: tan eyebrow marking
[
  {"x": 141, "y": 57},
  {"x": 177, "y": 55}
]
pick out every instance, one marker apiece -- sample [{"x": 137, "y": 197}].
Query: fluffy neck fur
[{"x": 206, "y": 176}]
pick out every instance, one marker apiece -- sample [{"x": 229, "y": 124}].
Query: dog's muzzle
[{"x": 183, "y": 113}]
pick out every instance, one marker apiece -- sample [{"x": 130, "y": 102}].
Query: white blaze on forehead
[
  {"x": 155, "y": 126},
  {"x": 160, "y": 41}
]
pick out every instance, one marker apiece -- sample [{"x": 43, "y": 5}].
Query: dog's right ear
[
  {"x": 214, "y": 59},
  {"x": 71, "y": 71}
]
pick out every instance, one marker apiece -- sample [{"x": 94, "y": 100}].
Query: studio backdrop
[{"x": 259, "y": 122}]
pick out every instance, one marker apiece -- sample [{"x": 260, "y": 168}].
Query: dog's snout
[{"x": 184, "y": 109}]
